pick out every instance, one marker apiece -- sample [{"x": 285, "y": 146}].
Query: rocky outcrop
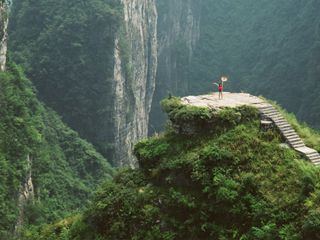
[
  {"x": 135, "y": 69},
  {"x": 178, "y": 34},
  {"x": 3, "y": 33},
  {"x": 26, "y": 194}
]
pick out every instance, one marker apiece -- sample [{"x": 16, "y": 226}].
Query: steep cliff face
[
  {"x": 178, "y": 34},
  {"x": 94, "y": 62},
  {"x": 3, "y": 33},
  {"x": 135, "y": 69}
]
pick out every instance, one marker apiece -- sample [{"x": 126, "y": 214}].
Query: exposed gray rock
[
  {"x": 178, "y": 34},
  {"x": 134, "y": 77},
  {"x": 3, "y": 34},
  {"x": 26, "y": 194}
]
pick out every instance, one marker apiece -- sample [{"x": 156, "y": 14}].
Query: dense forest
[{"x": 34, "y": 141}]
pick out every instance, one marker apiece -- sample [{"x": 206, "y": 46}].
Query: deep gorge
[{"x": 81, "y": 84}]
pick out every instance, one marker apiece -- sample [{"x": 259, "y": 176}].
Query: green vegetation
[
  {"x": 190, "y": 120},
  {"x": 67, "y": 49},
  {"x": 64, "y": 167},
  {"x": 235, "y": 183}
]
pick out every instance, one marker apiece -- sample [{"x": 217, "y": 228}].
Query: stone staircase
[{"x": 290, "y": 135}]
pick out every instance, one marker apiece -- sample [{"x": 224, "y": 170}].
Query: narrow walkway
[{"x": 238, "y": 99}]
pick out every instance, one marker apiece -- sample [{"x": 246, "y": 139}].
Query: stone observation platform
[{"x": 267, "y": 112}]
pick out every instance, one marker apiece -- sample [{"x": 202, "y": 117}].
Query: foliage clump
[{"x": 191, "y": 120}]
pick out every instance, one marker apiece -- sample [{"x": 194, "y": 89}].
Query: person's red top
[{"x": 220, "y": 88}]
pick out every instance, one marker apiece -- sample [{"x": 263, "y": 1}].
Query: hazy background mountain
[{"x": 268, "y": 48}]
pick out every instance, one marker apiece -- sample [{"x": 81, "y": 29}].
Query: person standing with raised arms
[{"x": 220, "y": 86}]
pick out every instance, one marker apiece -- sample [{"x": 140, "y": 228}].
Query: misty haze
[{"x": 159, "y": 119}]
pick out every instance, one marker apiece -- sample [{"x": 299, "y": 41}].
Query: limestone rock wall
[
  {"x": 135, "y": 69},
  {"x": 178, "y": 34},
  {"x": 3, "y": 33}
]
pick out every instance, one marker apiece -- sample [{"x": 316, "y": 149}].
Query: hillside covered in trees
[
  {"x": 46, "y": 170},
  {"x": 228, "y": 181}
]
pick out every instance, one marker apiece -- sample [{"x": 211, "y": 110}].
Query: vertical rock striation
[
  {"x": 178, "y": 34},
  {"x": 135, "y": 69},
  {"x": 3, "y": 33},
  {"x": 26, "y": 194}
]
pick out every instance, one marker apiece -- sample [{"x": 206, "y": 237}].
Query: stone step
[
  {"x": 289, "y": 131},
  {"x": 282, "y": 123},
  {"x": 293, "y": 136},
  {"x": 279, "y": 119},
  {"x": 314, "y": 158},
  {"x": 313, "y": 155},
  {"x": 296, "y": 143},
  {"x": 292, "y": 140},
  {"x": 266, "y": 105},
  {"x": 283, "y": 128},
  {"x": 298, "y": 146},
  {"x": 275, "y": 113},
  {"x": 269, "y": 110}
]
